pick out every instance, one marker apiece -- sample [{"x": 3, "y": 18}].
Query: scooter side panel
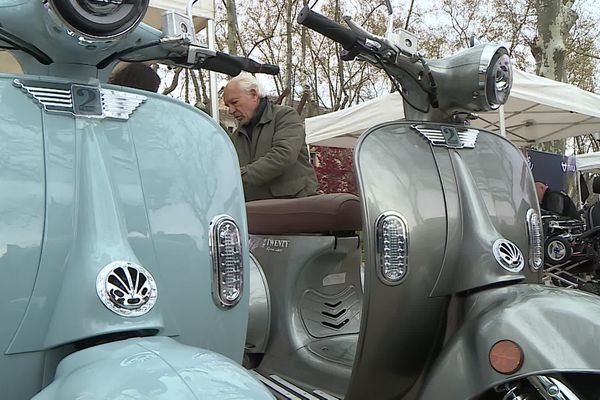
[
  {"x": 495, "y": 191},
  {"x": 151, "y": 368},
  {"x": 557, "y": 330},
  {"x": 397, "y": 172},
  {"x": 21, "y": 222}
]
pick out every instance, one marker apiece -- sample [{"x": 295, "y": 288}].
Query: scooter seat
[{"x": 324, "y": 214}]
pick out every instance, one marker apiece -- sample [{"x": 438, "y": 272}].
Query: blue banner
[{"x": 555, "y": 170}]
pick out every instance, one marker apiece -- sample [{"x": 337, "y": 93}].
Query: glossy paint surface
[
  {"x": 81, "y": 193},
  {"x": 456, "y": 203},
  {"x": 556, "y": 328},
  {"x": 153, "y": 369}
]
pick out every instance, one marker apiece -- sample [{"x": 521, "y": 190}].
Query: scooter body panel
[
  {"x": 82, "y": 193},
  {"x": 456, "y": 203},
  {"x": 151, "y": 368},
  {"x": 315, "y": 297},
  {"x": 556, "y": 328}
]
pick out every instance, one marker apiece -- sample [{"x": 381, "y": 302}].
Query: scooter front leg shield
[
  {"x": 557, "y": 330},
  {"x": 151, "y": 368}
]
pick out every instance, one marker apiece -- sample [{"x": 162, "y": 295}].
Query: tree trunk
[
  {"x": 232, "y": 28},
  {"x": 555, "y": 20},
  {"x": 288, "y": 58}
]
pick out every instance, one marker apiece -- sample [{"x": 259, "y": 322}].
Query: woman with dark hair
[{"x": 136, "y": 75}]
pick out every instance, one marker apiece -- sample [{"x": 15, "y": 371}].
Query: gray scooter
[{"x": 451, "y": 306}]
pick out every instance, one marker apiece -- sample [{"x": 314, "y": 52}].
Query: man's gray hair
[{"x": 248, "y": 82}]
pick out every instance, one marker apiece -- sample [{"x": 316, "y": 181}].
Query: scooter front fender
[
  {"x": 557, "y": 330},
  {"x": 151, "y": 368}
]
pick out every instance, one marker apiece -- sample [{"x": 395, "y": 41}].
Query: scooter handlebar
[
  {"x": 233, "y": 65},
  {"x": 326, "y": 27}
]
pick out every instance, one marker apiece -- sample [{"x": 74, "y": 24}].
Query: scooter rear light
[
  {"x": 227, "y": 258},
  {"x": 506, "y": 357},
  {"x": 534, "y": 229},
  {"x": 391, "y": 247}
]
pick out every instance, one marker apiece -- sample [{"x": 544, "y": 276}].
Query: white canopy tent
[
  {"x": 538, "y": 110},
  {"x": 587, "y": 162}
]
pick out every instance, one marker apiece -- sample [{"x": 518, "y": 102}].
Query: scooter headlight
[
  {"x": 476, "y": 79},
  {"x": 498, "y": 78},
  {"x": 100, "y": 19}
]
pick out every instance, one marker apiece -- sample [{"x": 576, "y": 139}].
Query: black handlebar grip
[
  {"x": 268, "y": 69},
  {"x": 223, "y": 63},
  {"x": 233, "y": 65},
  {"x": 257, "y": 68},
  {"x": 327, "y": 27}
]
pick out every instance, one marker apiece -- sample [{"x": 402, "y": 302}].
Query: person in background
[
  {"x": 270, "y": 142},
  {"x": 557, "y": 202},
  {"x": 136, "y": 75}
]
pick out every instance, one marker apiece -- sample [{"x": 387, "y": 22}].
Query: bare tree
[
  {"x": 555, "y": 18},
  {"x": 232, "y": 27}
]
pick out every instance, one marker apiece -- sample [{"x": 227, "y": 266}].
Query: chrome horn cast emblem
[
  {"x": 126, "y": 288},
  {"x": 508, "y": 255}
]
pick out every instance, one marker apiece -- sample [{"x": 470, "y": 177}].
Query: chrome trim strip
[
  {"x": 324, "y": 395},
  {"x": 293, "y": 387},
  {"x": 551, "y": 388},
  {"x": 58, "y": 97},
  {"x": 467, "y": 136},
  {"x": 120, "y": 105},
  {"x": 275, "y": 387},
  {"x": 484, "y": 64}
]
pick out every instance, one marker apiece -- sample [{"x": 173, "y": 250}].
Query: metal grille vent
[
  {"x": 126, "y": 288},
  {"x": 325, "y": 315},
  {"x": 447, "y": 136},
  {"x": 508, "y": 255}
]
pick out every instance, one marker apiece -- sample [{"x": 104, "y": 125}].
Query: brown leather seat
[{"x": 324, "y": 213}]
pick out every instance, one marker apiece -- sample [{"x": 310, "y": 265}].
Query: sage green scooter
[
  {"x": 451, "y": 305},
  {"x": 121, "y": 213}
]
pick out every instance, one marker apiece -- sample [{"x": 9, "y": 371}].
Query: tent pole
[
  {"x": 214, "y": 93},
  {"x": 577, "y": 175},
  {"x": 502, "y": 121}
]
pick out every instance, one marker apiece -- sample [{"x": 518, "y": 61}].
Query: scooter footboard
[
  {"x": 557, "y": 330},
  {"x": 151, "y": 368}
]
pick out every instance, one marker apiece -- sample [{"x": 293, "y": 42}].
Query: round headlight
[
  {"x": 498, "y": 80},
  {"x": 100, "y": 19}
]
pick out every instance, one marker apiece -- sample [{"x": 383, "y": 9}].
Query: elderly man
[{"x": 270, "y": 142}]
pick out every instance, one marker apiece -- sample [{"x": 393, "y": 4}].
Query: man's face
[{"x": 240, "y": 104}]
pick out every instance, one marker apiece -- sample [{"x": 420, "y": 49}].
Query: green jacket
[{"x": 275, "y": 163}]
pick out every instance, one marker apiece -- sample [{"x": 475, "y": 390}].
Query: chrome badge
[
  {"x": 126, "y": 288},
  {"x": 87, "y": 101},
  {"x": 448, "y": 136},
  {"x": 508, "y": 255}
]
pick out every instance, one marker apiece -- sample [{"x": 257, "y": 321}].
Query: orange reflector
[{"x": 506, "y": 357}]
